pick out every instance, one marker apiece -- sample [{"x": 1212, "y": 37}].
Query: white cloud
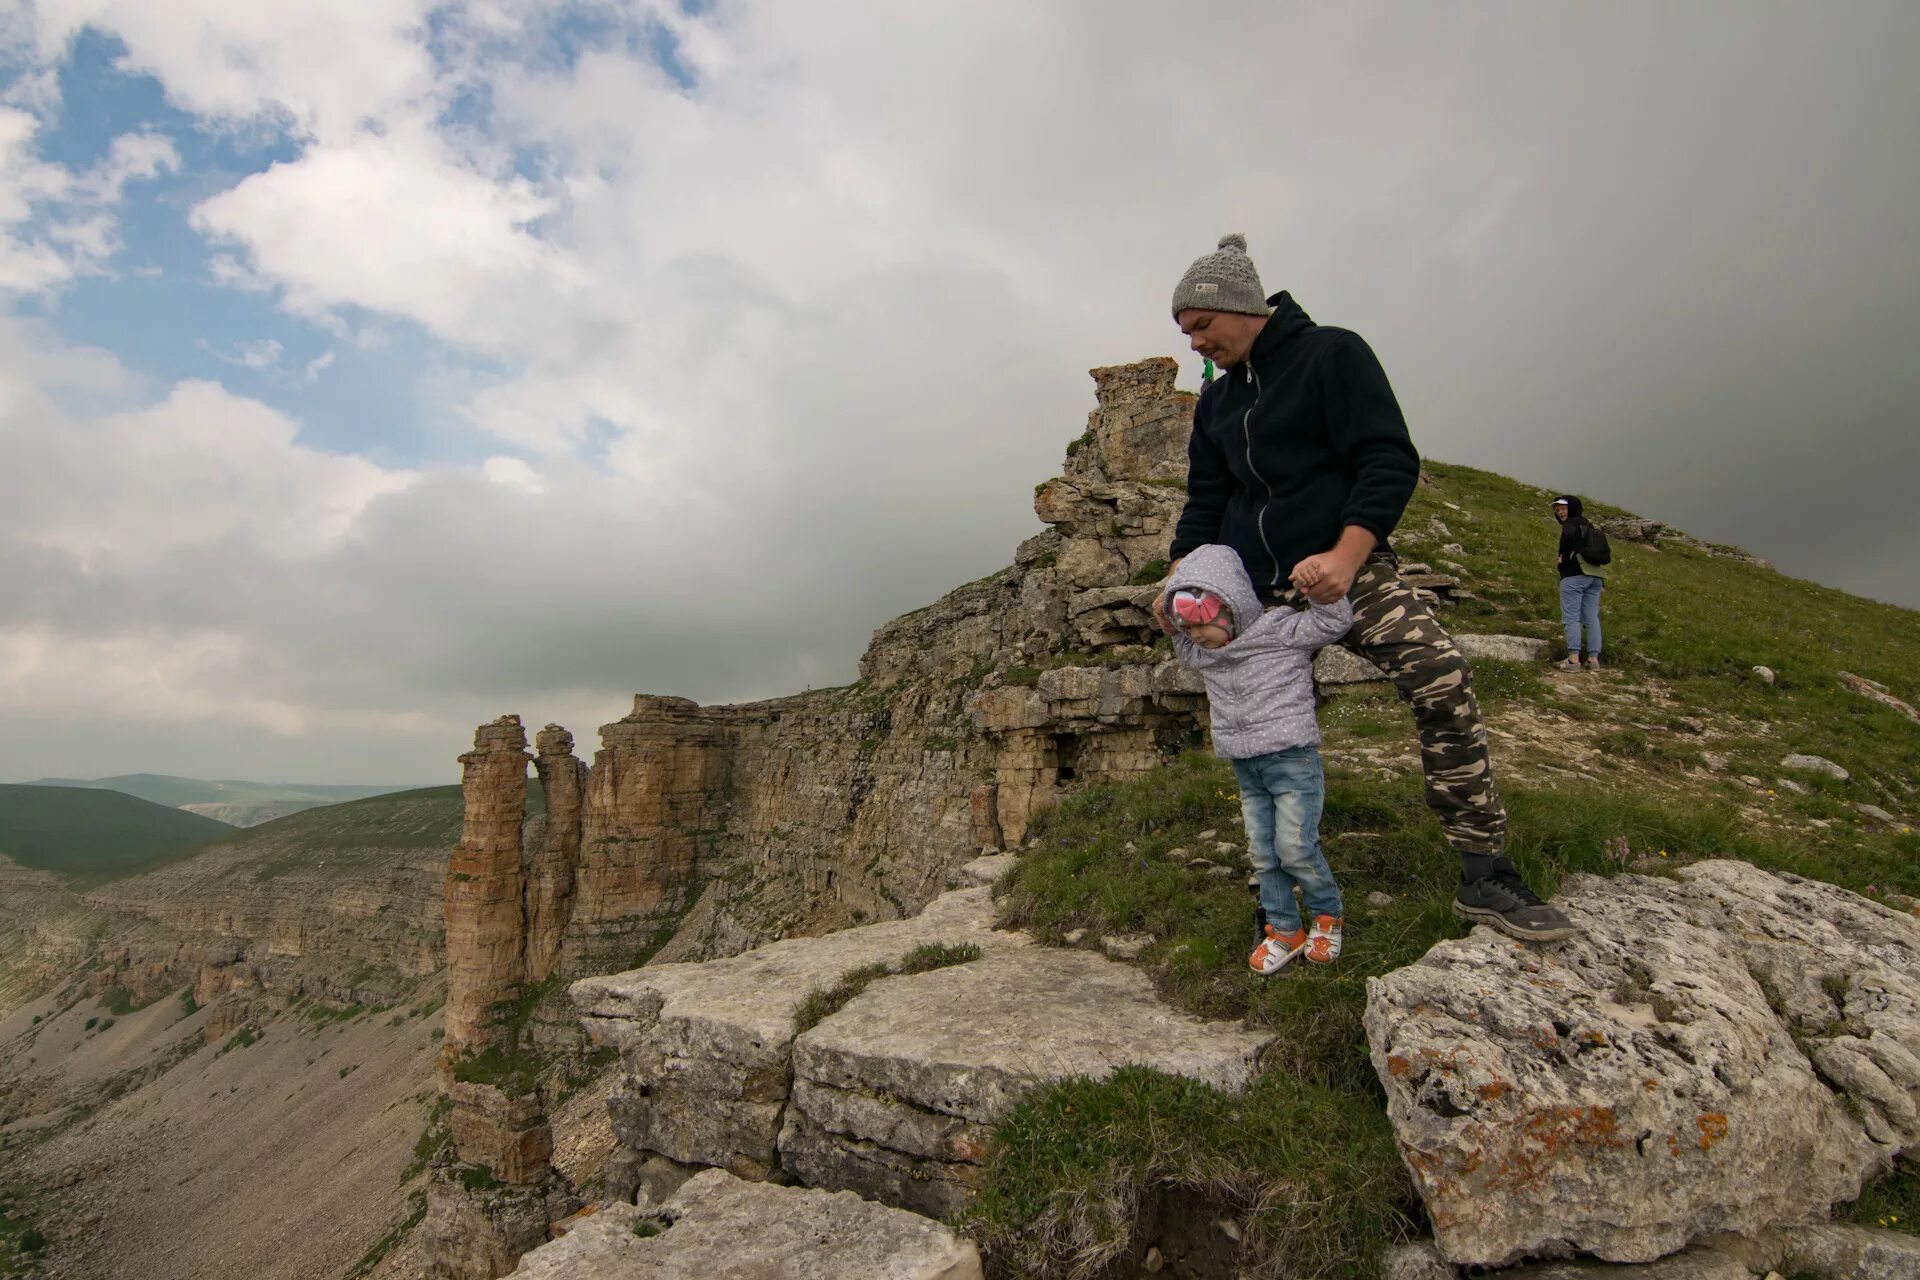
[
  {"x": 513, "y": 471},
  {"x": 820, "y": 321},
  {"x": 262, "y": 353},
  {"x": 132, "y": 157},
  {"x": 395, "y": 224},
  {"x": 55, "y": 225},
  {"x": 323, "y": 67}
]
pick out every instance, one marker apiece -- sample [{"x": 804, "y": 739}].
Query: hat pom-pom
[{"x": 1234, "y": 240}]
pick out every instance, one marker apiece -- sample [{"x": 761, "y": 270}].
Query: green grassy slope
[
  {"x": 166, "y": 789},
  {"x": 359, "y": 833},
  {"x": 1073, "y": 1167},
  {"x": 1698, "y": 623},
  {"x": 84, "y": 834}
]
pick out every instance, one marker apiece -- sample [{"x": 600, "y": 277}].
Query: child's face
[{"x": 1209, "y": 635}]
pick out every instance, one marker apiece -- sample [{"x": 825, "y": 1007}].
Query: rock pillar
[
  {"x": 550, "y": 870},
  {"x": 486, "y": 934}
]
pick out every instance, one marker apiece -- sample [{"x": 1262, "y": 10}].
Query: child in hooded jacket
[{"x": 1258, "y": 666}]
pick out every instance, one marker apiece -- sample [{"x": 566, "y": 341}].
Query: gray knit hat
[{"x": 1222, "y": 281}]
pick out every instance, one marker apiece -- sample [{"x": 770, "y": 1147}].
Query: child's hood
[{"x": 1218, "y": 569}]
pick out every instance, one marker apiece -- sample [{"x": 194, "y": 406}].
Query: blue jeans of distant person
[
  {"x": 1280, "y": 796},
  {"x": 1580, "y": 606}
]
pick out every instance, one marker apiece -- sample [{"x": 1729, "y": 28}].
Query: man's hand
[
  {"x": 1325, "y": 577},
  {"x": 1329, "y": 576},
  {"x": 1160, "y": 601}
]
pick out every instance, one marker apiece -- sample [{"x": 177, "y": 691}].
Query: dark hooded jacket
[
  {"x": 1573, "y": 536},
  {"x": 1293, "y": 445}
]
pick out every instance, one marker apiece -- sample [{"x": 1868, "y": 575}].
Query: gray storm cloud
[{"x": 785, "y": 354}]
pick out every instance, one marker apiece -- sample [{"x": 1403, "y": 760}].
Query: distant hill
[
  {"x": 232, "y": 801},
  {"x": 165, "y": 789},
  {"x": 86, "y": 835},
  {"x": 340, "y": 838}
]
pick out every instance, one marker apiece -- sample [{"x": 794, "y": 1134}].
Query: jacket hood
[
  {"x": 1218, "y": 569},
  {"x": 1287, "y": 320},
  {"x": 1573, "y": 504}
]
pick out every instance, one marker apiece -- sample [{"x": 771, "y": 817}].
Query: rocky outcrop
[
  {"x": 707, "y": 1048},
  {"x": 486, "y": 930},
  {"x": 550, "y": 870},
  {"x": 1874, "y": 691},
  {"x": 1619, "y": 1093},
  {"x": 480, "y": 1234},
  {"x": 895, "y": 1094},
  {"x": 719, "y": 1226},
  {"x": 507, "y": 1136}
]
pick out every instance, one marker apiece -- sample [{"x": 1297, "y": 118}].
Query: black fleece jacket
[
  {"x": 1573, "y": 536},
  {"x": 1290, "y": 447}
]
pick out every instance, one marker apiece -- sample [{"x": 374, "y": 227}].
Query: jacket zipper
[{"x": 1246, "y": 431}]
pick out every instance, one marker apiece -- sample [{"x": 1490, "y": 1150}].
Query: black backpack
[{"x": 1593, "y": 545}]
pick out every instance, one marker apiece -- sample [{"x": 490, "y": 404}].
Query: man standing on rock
[{"x": 1300, "y": 461}]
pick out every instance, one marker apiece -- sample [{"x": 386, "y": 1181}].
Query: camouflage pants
[{"x": 1397, "y": 632}]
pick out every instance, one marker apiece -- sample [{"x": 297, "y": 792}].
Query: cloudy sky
[{"x": 369, "y": 369}]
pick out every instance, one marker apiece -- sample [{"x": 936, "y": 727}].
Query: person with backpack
[
  {"x": 1300, "y": 462},
  {"x": 1580, "y": 540}
]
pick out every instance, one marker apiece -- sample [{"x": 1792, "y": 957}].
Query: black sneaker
[{"x": 1505, "y": 902}]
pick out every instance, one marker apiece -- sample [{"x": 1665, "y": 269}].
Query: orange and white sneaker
[
  {"x": 1275, "y": 950},
  {"x": 1323, "y": 943}
]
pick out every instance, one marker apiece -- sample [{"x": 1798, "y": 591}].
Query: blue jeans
[
  {"x": 1280, "y": 797},
  {"x": 1580, "y": 604}
]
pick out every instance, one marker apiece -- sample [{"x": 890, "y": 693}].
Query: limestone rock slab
[
  {"x": 705, "y": 1047},
  {"x": 1826, "y": 1251},
  {"x": 1499, "y": 648},
  {"x": 1694, "y": 1264},
  {"x": 988, "y": 869},
  {"x": 1815, "y": 764},
  {"x": 718, "y": 1227},
  {"x": 895, "y": 1095},
  {"x": 1617, "y": 1093},
  {"x": 1335, "y": 665}
]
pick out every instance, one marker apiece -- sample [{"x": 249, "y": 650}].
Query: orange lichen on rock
[{"x": 1712, "y": 1126}]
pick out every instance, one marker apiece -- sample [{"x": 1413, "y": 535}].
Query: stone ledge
[
  {"x": 706, "y": 1046},
  {"x": 718, "y": 1227},
  {"x": 895, "y": 1095}
]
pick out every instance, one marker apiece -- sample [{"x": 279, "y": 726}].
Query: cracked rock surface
[
  {"x": 1725, "y": 1052},
  {"x": 718, "y": 1227}
]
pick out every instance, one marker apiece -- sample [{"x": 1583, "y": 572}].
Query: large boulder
[{"x": 1725, "y": 1052}]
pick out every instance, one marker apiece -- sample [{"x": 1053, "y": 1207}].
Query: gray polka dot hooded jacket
[{"x": 1259, "y": 684}]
